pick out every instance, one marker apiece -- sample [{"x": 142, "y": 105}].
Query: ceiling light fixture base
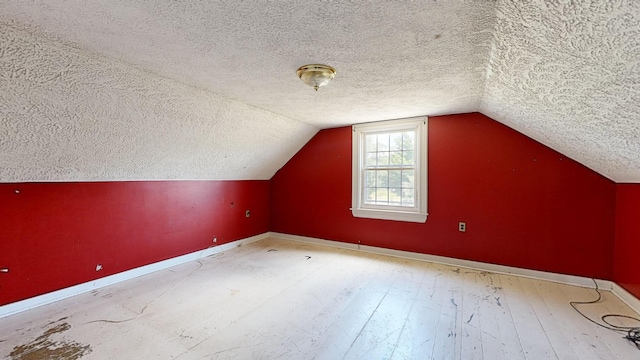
[{"x": 316, "y": 75}]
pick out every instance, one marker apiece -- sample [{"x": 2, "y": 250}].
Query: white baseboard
[
  {"x": 54, "y": 296},
  {"x": 626, "y": 297},
  {"x": 607, "y": 285},
  {"x": 27, "y": 304}
]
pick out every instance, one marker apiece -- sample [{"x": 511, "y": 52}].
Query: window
[{"x": 390, "y": 170}]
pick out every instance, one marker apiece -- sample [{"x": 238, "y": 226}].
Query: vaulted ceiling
[{"x": 131, "y": 90}]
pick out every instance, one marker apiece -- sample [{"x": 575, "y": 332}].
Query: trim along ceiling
[{"x": 133, "y": 90}]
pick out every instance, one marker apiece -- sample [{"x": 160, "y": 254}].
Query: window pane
[
  {"x": 395, "y": 178},
  {"x": 370, "y": 195},
  {"x": 383, "y": 142},
  {"x": 371, "y": 159},
  {"x": 407, "y": 158},
  {"x": 370, "y": 176},
  {"x": 408, "y": 179},
  {"x": 395, "y": 141},
  {"x": 383, "y": 158},
  {"x": 382, "y": 196},
  {"x": 408, "y": 197},
  {"x": 370, "y": 143},
  {"x": 395, "y": 196},
  {"x": 383, "y": 178},
  {"x": 395, "y": 158},
  {"x": 408, "y": 140}
]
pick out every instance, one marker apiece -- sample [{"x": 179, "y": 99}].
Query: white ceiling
[{"x": 565, "y": 73}]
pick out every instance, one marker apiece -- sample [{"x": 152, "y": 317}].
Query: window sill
[{"x": 390, "y": 215}]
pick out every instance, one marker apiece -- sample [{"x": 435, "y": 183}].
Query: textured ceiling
[
  {"x": 117, "y": 90},
  {"x": 567, "y": 73}
]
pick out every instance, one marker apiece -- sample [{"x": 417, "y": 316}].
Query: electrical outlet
[
  {"x": 462, "y": 226},
  {"x": 247, "y": 213}
]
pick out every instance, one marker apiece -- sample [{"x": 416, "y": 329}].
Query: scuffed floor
[
  {"x": 277, "y": 299},
  {"x": 51, "y": 345}
]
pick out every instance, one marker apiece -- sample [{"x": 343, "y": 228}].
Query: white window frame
[{"x": 418, "y": 213}]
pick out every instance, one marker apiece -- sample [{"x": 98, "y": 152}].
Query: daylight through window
[
  {"x": 389, "y": 175},
  {"x": 390, "y": 168}
]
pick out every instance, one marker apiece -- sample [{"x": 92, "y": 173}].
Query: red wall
[
  {"x": 627, "y": 245},
  {"x": 525, "y": 205},
  {"x": 52, "y": 235}
]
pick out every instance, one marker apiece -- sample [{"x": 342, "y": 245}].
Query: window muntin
[
  {"x": 389, "y": 168},
  {"x": 389, "y": 175}
]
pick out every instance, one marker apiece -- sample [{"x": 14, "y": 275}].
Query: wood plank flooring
[{"x": 277, "y": 299}]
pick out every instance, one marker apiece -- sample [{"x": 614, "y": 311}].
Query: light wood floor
[{"x": 276, "y": 299}]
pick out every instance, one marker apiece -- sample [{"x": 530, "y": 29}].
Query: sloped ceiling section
[
  {"x": 88, "y": 95},
  {"x": 567, "y": 73},
  {"x": 71, "y": 115},
  {"x": 138, "y": 89}
]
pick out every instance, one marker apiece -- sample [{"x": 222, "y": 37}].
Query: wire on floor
[{"x": 631, "y": 333}]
